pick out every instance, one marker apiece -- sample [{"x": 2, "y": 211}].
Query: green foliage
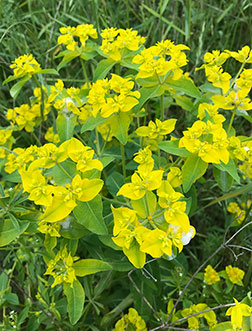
[{"x": 82, "y": 263}]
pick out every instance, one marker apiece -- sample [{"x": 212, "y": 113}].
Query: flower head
[
  {"x": 211, "y": 276},
  {"x": 235, "y": 275}
]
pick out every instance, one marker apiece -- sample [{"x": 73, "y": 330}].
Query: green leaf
[
  {"x": 9, "y": 79},
  {"x": 92, "y": 122},
  {"x": 90, "y": 266},
  {"x": 49, "y": 71},
  {"x": 171, "y": 147},
  {"x": 50, "y": 243},
  {"x": 146, "y": 94},
  {"x": 14, "y": 177},
  {"x": 59, "y": 176},
  {"x": 230, "y": 168},
  {"x": 106, "y": 160},
  {"x": 223, "y": 179},
  {"x": 16, "y": 88},
  {"x": 120, "y": 124},
  {"x": 235, "y": 193},
  {"x": 193, "y": 169},
  {"x": 103, "y": 67},
  {"x": 65, "y": 126},
  {"x": 114, "y": 182},
  {"x": 89, "y": 214},
  {"x": 12, "y": 299},
  {"x": 184, "y": 102},
  {"x": 183, "y": 85},
  {"x": 75, "y": 300},
  {"x": 145, "y": 206},
  {"x": 149, "y": 81},
  {"x": 133, "y": 253},
  {"x": 14, "y": 221},
  {"x": 8, "y": 231},
  {"x": 68, "y": 57},
  {"x": 223, "y": 326},
  {"x": 71, "y": 229},
  {"x": 244, "y": 114}
]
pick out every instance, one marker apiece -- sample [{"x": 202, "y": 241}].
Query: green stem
[
  {"x": 147, "y": 205},
  {"x": 158, "y": 158},
  {"x": 123, "y": 160},
  {"x": 115, "y": 201},
  {"x": 231, "y": 121},
  {"x": 63, "y": 170},
  {"x": 36, "y": 138},
  {"x": 238, "y": 74},
  {"x": 84, "y": 72},
  {"x": 105, "y": 142},
  {"x": 118, "y": 69},
  {"x": 162, "y": 107},
  {"x": 8, "y": 150},
  {"x": 97, "y": 142}
]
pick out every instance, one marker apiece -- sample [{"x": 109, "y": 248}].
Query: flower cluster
[
  {"x": 28, "y": 116},
  {"x": 208, "y": 140},
  {"x": 25, "y": 65},
  {"x": 130, "y": 321},
  {"x": 233, "y": 274},
  {"x": 193, "y": 322},
  {"x": 58, "y": 200},
  {"x": 161, "y": 59},
  {"x": 116, "y": 41},
  {"x": 82, "y": 31},
  {"x": 237, "y": 212},
  {"x": 155, "y": 132},
  {"x": 61, "y": 268},
  {"x": 151, "y": 227}
]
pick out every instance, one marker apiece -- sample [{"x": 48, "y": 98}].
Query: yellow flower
[
  {"x": 82, "y": 155},
  {"x": 243, "y": 56},
  {"x": 25, "y": 65},
  {"x": 238, "y": 213},
  {"x": 219, "y": 78},
  {"x": 51, "y": 136},
  {"x": 141, "y": 181},
  {"x": 244, "y": 82},
  {"x": 61, "y": 268},
  {"x": 174, "y": 176},
  {"x": 124, "y": 218},
  {"x": 237, "y": 312},
  {"x": 115, "y": 41},
  {"x": 51, "y": 229},
  {"x": 233, "y": 100},
  {"x": 211, "y": 276},
  {"x": 235, "y": 275},
  {"x": 130, "y": 321},
  {"x": 174, "y": 210}
]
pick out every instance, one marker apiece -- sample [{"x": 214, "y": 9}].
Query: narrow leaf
[
  {"x": 183, "y": 85},
  {"x": 171, "y": 147},
  {"x": 65, "y": 126},
  {"x": 8, "y": 231},
  {"x": 230, "y": 168},
  {"x": 193, "y": 169},
  {"x": 75, "y": 300},
  {"x": 15, "y": 90},
  {"x": 103, "y": 67},
  {"x": 90, "y": 266},
  {"x": 92, "y": 122},
  {"x": 89, "y": 214}
]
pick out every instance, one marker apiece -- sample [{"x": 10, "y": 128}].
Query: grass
[{"x": 33, "y": 27}]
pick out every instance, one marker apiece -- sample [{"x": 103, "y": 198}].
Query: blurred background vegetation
[{"x": 32, "y": 26}]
